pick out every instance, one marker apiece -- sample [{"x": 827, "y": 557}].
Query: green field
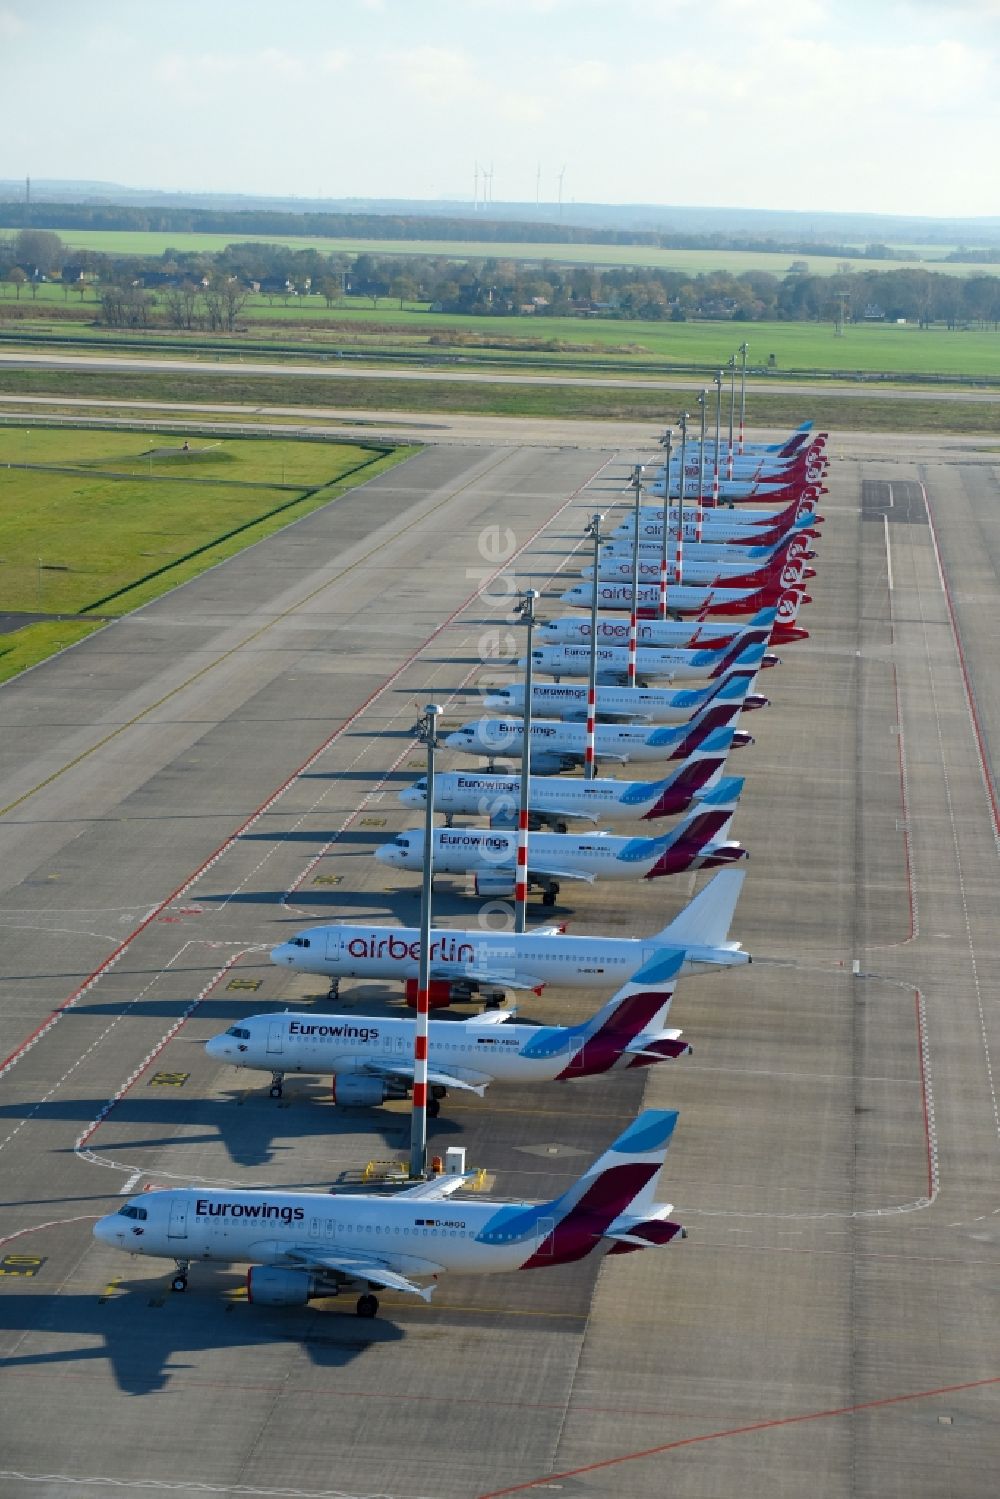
[
  {"x": 103, "y": 521},
  {"x": 126, "y": 242},
  {"x": 568, "y": 344}
]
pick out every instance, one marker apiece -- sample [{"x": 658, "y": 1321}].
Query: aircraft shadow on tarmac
[
  {"x": 145, "y": 1331},
  {"x": 253, "y": 1129}
]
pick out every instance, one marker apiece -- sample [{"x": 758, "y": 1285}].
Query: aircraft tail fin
[
  {"x": 618, "y": 1190},
  {"x": 706, "y": 920}
]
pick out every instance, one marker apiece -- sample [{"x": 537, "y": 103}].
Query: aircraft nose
[
  {"x": 218, "y": 1048},
  {"x": 455, "y": 740},
  {"x": 385, "y": 854},
  {"x": 104, "y": 1230},
  {"x": 411, "y": 797},
  {"x": 283, "y": 953}
]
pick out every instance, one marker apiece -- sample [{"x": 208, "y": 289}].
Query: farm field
[
  {"x": 100, "y": 522},
  {"x": 128, "y": 242}
]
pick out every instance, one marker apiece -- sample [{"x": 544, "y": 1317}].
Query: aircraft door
[
  {"x": 332, "y": 947},
  {"x": 274, "y": 1031},
  {"x": 177, "y": 1222},
  {"x": 546, "y": 1231},
  {"x": 401, "y": 1046}
]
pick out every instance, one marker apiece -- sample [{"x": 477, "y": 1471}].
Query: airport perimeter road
[{"x": 828, "y": 1328}]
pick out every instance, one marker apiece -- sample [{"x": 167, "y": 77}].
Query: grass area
[
  {"x": 307, "y": 326},
  {"x": 869, "y": 411},
  {"x": 34, "y": 643},
  {"x": 128, "y": 242},
  {"x": 109, "y": 520}
]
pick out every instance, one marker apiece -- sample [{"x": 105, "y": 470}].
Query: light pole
[
  {"x": 732, "y": 409},
  {"x": 589, "y": 768},
  {"x": 526, "y": 611},
  {"x": 426, "y": 731},
  {"x": 718, "y": 425},
  {"x": 702, "y": 403},
  {"x": 633, "y": 625},
  {"x": 664, "y": 559},
  {"x": 679, "y": 554},
  {"x": 743, "y": 350}
]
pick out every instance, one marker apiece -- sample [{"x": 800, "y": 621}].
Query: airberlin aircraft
[
  {"x": 370, "y": 1057},
  {"x": 684, "y": 599},
  {"x": 679, "y": 634},
  {"x": 315, "y": 1244},
  {"x": 699, "y": 841},
  {"x": 479, "y": 958},
  {"x": 556, "y": 800}
]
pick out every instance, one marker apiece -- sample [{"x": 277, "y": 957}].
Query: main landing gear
[
  {"x": 549, "y": 893},
  {"x": 180, "y": 1280},
  {"x": 334, "y": 990},
  {"x": 367, "y": 1306},
  {"x": 277, "y": 1079}
]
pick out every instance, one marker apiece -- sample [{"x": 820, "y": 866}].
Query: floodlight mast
[
  {"x": 702, "y": 402},
  {"x": 743, "y": 350},
  {"x": 732, "y": 409},
  {"x": 590, "y": 762},
  {"x": 426, "y": 731},
  {"x": 718, "y": 424},
  {"x": 633, "y": 626},
  {"x": 679, "y": 552},
  {"x": 668, "y": 443},
  {"x": 525, "y": 609}
]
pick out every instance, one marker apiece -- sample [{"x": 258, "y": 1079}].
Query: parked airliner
[
  {"x": 370, "y": 1057},
  {"x": 556, "y": 800},
  {"x": 699, "y": 841},
  {"x": 558, "y": 746},
  {"x": 316, "y": 1244},
  {"x": 652, "y": 663},
  {"x": 637, "y": 705},
  {"x": 476, "y": 958}
]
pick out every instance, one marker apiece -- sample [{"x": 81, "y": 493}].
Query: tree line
[{"x": 195, "y": 289}]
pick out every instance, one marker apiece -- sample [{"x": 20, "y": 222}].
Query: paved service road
[{"x": 214, "y": 771}]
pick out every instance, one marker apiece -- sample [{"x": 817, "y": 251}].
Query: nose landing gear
[
  {"x": 276, "y": 1089},
  {"x": 180, "y": 1280}
]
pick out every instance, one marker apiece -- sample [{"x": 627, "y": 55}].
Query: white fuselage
[
  {"x": 674, "y": 634},
  {"x": 414, "y": 1237},
  {"x": 696, "y": 570},
  {"x": 478, "y": 957},
  {"x": 489, "y": 737},
  {"x": 457, "y": 793},
  {"x": 468, "y": 850},
  {"x": 652, "y": 662},
  {"x": 682, "y": 596},
  {"x": 634, "y": 704}
]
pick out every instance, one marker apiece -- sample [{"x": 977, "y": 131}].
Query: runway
[{"x": 212, "y": 772}]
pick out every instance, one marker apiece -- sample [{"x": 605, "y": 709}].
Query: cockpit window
[
  {"x": 129, "y": 1211},
  {"x": 239, "y": 1032},
  {"x": 420, "y": 785},
  {"x": 299, "y": 942}
]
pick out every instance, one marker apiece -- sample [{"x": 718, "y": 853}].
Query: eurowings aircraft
[
  {"x": 370, "y": 1057},
  {"x": 751, "y": 551},
  {"x": 556, "y": 800},
  {"x": 796, "y": 514},
  {"x": 314, "y": 1244},
  {"x": 672, "y": 705},
  {"x": 699, "y": 841},
  {"x": 479, "y": 958},
  {"x": 557, "y": 746},
  {"x": 652, "y": 663}
]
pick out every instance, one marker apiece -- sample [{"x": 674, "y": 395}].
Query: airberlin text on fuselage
[{"x": 444, "y": 949}]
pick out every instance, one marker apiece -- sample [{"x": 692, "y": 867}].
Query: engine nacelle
[
  {"x": 550, "y": 763},
  {"x": 495, "y": 884},
  {"x": 354, "y": 1091},
  {"x": 269, "y": 1285}
]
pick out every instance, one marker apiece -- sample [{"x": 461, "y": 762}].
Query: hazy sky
[{"x": 881, "y": 105}]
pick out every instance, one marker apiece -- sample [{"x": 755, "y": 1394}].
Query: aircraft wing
[
  {"x": 560, "y": 874},
  {"x": 437, "y": 1187},
  {"x": 503, "y": 976},
  {"x": 491, "y": 1017},
  {"x": 469, "y": 1082},
  {"x": 357, "y": 1264}
]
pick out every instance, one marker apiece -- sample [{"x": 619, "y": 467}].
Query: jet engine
[
  {"x": 268, "y": 1285},
  {"x": 551, "y": 763},
  {"x": 354, "y": 1091},
  {"x": 495, "y": 885}
]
